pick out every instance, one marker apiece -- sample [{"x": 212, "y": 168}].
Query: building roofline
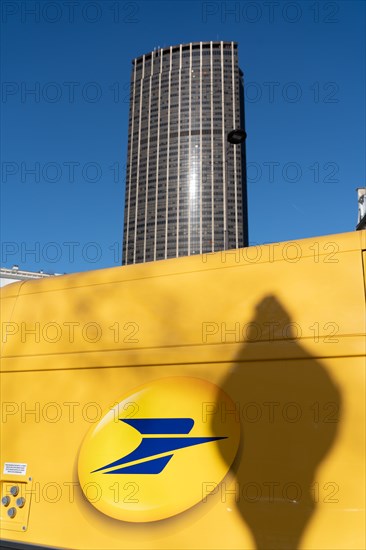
[
  {"x": 16, "y": 273},
  {"x": 195, "y": 45}
]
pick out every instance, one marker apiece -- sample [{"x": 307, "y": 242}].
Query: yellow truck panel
[{"x": 213, "y": 401}]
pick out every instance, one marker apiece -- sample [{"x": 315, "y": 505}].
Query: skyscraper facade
[{"x": 185, "y": 183}]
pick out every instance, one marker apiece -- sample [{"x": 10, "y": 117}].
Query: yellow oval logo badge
[{"x": 153, "y": 455}]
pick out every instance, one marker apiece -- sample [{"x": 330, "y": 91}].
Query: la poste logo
[{"x": 179, "y": 436}]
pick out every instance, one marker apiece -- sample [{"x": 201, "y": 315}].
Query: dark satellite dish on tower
[{"x": 236, "y": 136}]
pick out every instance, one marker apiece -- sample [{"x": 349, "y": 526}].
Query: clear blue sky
[{"x": 304, "y": 67}]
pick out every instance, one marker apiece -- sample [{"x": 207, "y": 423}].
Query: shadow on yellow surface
[{"x": 289, "y": 411}]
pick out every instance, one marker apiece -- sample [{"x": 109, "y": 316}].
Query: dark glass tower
[{"x": 185, "y": 184}]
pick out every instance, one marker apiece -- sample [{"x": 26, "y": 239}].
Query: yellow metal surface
[{"x": 279, "y": 329}]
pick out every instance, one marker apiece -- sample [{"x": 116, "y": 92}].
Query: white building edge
[{"x": 14, "y": 274}]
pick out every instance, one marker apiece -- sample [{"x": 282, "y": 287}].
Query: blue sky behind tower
[{"x": 65, "y": 99}]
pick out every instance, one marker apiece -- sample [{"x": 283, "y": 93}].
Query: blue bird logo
[{"x": 154, "y": 444}]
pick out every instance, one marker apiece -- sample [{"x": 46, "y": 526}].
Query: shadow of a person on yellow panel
[{"x": 289, "y": 412}]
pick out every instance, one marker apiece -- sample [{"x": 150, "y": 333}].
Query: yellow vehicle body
[{"x": 277, "y": 331}]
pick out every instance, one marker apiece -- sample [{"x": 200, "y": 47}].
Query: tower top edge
[{"x": 195, "y": 45}]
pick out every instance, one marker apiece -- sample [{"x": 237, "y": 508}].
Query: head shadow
[{"x": 289, "y": 410}]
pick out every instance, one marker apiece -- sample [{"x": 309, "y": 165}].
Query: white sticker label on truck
[{"x": 16, "y": 468}]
